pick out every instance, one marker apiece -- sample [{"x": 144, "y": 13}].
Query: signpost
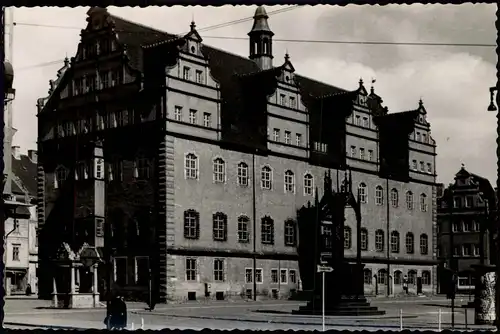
[{"x": 323, "y": 269}]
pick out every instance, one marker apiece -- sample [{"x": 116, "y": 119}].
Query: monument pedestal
[
  {"x": 484, "y": 299},
  {"x": 344, "y": 294}
]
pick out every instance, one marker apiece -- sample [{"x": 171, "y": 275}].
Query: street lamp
[{"x": 494, "y": 108}]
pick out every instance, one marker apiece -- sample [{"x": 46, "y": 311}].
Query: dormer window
[
  {"x": 418, "y": 136},
  {"x": 199, "y": 76},
  {"x": 104, "y": 79},
  {"x": 186, "y": 73},
  {"x": 292, "y": 102},
  {"x": 282, "y": 99},
  {"x": 424, "y": 138},
  {"x": 366, "y": 123}
]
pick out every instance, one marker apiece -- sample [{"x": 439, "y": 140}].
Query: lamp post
[{"x": 494, "y": 108}]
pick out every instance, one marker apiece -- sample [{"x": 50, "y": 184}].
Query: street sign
[
  {"x": 324, "y": 269},
  {"x": 324, "y": 256}
]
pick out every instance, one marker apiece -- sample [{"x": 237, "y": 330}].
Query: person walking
[{"x": 117, "y": 314}]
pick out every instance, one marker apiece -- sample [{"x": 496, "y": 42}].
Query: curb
[{"x": 12, "y": 323}]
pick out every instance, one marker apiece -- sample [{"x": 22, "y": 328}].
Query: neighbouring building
[
  {"x": 21, "y": 223},
  {"x": 191, "y": 162},
  {"x": 466, "y": 210}
]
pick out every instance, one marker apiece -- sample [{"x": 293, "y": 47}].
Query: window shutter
[
  {"x": 294, "y": 228},
  {"x": 214, "y": 217},
  {"x": 272, "y": 231},
  {"x": 185, "y": 223}
]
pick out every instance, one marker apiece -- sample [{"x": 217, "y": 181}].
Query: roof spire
[
  {"x": 372, "y": 90},
  {"x": 287, "y": 56},
  {"x": 360, "y": 82},
  {"x": 193, "y": 25},
  {"x": 66, "y": 61},
  {"x": 420, "y": 102},
  {"x": 260, "y": 20}
]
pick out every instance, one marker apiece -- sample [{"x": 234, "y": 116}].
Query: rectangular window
[
  {"x": 292, "y": 102},
  {"x": 468, "y": 201},
  {"x": 454, "y": 227},
  {"x": 141, "y": 270},
  {"x": 248, "y": 275},
  {"x": 267, "y": 231},
  {"x": 429, "y": 168},
  {"x": 243, "y": 232},
  {"x": 422, "y": 166},
  {"x": 282, "y": 99},
  {"x": 466, "y": 250},
  {"x": 353, "y": 151},
  {"x": 104, "y": 77},
  {"x": 276, "y": 135},
  {"x": 370, "y": 155},
  {"x": 91, "y": 82},
  {"x": 415, "y": 167},
  {"x": 293, "y": 276},
  {"x": 358, "y": 120},
  {"x": 219, "y": 270},
  {"x": 178, "y": 113},
  {"x": 362, "y": 153},
  {"x": 476, "y": 250},
  {"x": 258, "y": 275},
  {"x": 457, "y": 202},
  {"x": 191, "y": 270},
  {"x": 186, "y": 73},
  {"x": 366, "y": 123},
  {"x": 298, "y": 139},
  {"x": 116, "y": 77},
  {"x": 418, "y": 136},
  {"x": 274, "y": 276},
  {"x": 288, "y": 136},
  {"x": 192, "y": 116},
  {"x": 424, "y": 138},
  {"x": 120, "y": 272},
  {"x": 364, "y": 241},
  {"x": 243, "y": 174},
  {"x": 207, "y": 120},
  {"x": 283, "y": 276},
  {"x": 199, "y": 76},
  {"x": 15, "y": 252}
]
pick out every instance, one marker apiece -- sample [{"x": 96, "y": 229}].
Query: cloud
[{"x": 453, "y": 82}]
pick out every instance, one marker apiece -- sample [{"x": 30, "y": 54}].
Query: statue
[{"x": 321, "y": 242}]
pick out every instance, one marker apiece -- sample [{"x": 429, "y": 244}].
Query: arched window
[
  {"x": 362, "y": 192},
  {"x": 426, "y": 277},
  {"x": 382, "y": 276},
  {"x": 243, "y": 229},
  {"x": 394, "y": 198},
  {"x": 367, "y": 276},
  {"x": 308, "y": 184},
  {"x": 219, "y": 226},
  {"x": 191, "y": 224},
  {"x": 61, "y": 174},
  {"x": 424, "y": 244},
  {"x": 266, "y": 178},
  {"x": 267, "y": 230},
  {"x": 412, "y": 277},
  {"x": 379, "y": 195},
  {"x": 364, "y": 239},
  {"x": 219, "y": 170},
  {"x": 397, "y": 277},
  {"x": 347, "y": 237},
  {"x": 243, "y": 174},
  {"x": 290, "y": 235},
  {"x": 395, "y": 242},
  {"x": 191, "y": 166},
  {"x": 82, "y": 172},
  {"x": 410, "y": 240},
  {"x": 423, "y": 202},
  {"x": 289, "y": 182},
  {"x": 409, "y": 200},
  {"x": 265, "y": 44},
  {"x": 379, "y": 241}
]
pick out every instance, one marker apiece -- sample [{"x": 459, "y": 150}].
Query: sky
[{"x": 452, "y": 81}]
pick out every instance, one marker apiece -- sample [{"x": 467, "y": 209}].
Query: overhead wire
[{"x": 278, "y": 11}]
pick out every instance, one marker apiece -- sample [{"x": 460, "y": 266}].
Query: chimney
[
  {"x": 16, "y": 153},
  {"x": 32, "y": 154}
]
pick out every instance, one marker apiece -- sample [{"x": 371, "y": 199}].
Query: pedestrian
[
  {"x": 121, "y": 311},
  {"x": 405, "y": 284},
  {"x": 28, "y": 290}
]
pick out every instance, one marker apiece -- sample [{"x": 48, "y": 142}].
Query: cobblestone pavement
[{"x": 415, "y": 313}]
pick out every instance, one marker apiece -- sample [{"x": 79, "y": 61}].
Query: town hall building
[{"x": 184, "y": 166}]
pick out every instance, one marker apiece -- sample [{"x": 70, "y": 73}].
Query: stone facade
[{"x": 183, "y": 126}]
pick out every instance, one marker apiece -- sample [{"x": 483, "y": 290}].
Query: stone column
[
  {"x": 95, "y": 287},
  {"x": 485, "y": 295},
  {"x": 55, "y": 302},
  {"x": 72, "y": 278}
]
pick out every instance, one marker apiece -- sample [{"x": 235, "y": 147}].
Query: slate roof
[
  {"x": 26, "y": 171},
  {"x": 134, "y": 36}
]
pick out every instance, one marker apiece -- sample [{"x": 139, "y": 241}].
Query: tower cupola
[{"x": 261, "y": 46}]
